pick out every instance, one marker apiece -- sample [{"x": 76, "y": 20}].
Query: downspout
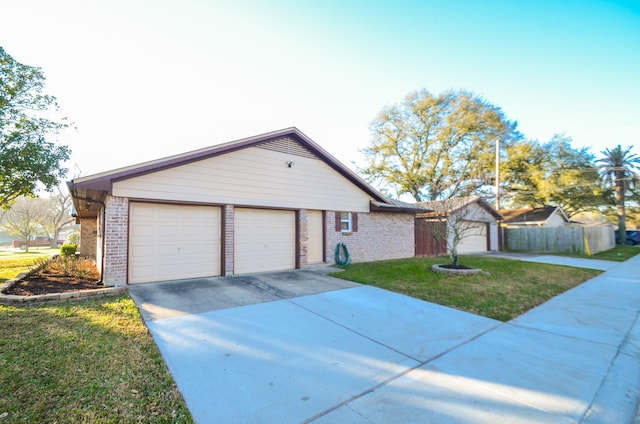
[{"x": 104, "y": 207}]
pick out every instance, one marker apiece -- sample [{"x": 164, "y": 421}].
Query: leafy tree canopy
[
  {"x": 28, "y": 156},
  {"x": 436, "y": 146},
  {"x": 552, "y": 173}
]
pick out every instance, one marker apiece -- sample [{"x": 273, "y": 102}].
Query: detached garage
[
  {"x": 471, "y": 220},
  {"x": 263, "y": 203}
]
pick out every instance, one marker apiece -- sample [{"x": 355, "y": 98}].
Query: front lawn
[
  {"x": 14, "y": 263},
  {"x": 507, "y": 289},
  {"x": 91, "y": 361}
]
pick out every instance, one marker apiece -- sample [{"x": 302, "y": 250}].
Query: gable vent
[{"x": 289, "y": 146}]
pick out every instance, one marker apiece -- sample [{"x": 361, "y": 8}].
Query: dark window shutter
[
  {"x": 338, "y": 221},
  {"x": 354, "y": 222}
]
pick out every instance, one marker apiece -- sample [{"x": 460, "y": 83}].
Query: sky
[{"x": 145, "y": 79}]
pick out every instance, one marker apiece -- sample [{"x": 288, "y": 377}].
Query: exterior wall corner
[{"x": 116, "y": 234}]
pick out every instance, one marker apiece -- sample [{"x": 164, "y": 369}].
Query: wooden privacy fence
[
  {"x": 568, "y": 239},
  {"x": 427, "y": 244}
]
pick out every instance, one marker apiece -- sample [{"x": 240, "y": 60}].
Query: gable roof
[
  {"x": 95, "y": 187},
  {"x": 531, "y": 215},
  {"x": 447, "y": 207}
]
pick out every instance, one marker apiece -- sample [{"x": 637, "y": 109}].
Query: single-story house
[
  {"x": 547, "y": 216},
  {"x": 276, "y": 201},
  {"x": 471, "y": 219}
]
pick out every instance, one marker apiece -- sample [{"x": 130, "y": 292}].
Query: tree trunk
[{"x": 622, "y": 226}]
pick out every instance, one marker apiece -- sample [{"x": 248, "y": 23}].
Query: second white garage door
[
  {"x": 170, "y": 242},
  {"x": 264, "y": 240}
]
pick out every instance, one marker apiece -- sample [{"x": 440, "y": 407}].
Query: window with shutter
[{"x": 346, "y": 222}]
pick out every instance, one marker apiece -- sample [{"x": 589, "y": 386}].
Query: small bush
[
  {"x": 68, "y": 249},
  {"x": 74, "y": 238},
  {"x": 70, "y": 266}
]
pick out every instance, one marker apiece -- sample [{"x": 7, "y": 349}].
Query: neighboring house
[
  {"x": 548, "y": 216},
  {"x": 473, "y": 219},
  {"x": 276, "y": 201}
]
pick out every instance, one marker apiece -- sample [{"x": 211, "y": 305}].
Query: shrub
[
  {"x": 68, "y": 249},
  {"x": 74, "y": 238}
]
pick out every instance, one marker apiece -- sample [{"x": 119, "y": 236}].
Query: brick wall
[
  {"x": 228, "y": 239},
  {"x": 303, "y": 238},
  {"x": 88, "y": 237},
  {"x": 380, "y": 235},
  {"x": 116, "y": 234}
]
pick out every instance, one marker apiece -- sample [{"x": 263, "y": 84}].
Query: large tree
[
  {"x": 436, "y": 146},
  {"x": 29, "y": 154},
  {"x": 24, "y": 219},
  {"x": 617, "y": 168},
  {"x": 57, "y": 215},
  {"x": 552, "y": 173}
]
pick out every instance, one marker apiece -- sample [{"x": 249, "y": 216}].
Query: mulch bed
[
  {"x": 37, "y": 285},
  {"x": 48, "y": 282}
]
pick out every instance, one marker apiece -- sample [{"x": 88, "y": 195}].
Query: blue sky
[{"x": 143, "y": 79}]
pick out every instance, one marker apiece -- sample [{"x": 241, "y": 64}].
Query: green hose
[{"x": 340, "y": 248}]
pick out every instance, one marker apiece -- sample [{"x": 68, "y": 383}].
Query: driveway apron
[{"x": 305, "y": 347}]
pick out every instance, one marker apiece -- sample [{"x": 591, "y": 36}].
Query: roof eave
[{"x": 386, "y": 207}]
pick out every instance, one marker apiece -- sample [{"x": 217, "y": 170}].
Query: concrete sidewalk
[
  {"x": 557, "y": 260},
  {"x": 574, "y": 262},
  {"x": 364, "y": 355}
]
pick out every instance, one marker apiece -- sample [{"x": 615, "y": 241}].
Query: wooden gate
[{"x": 427, "y": 244}]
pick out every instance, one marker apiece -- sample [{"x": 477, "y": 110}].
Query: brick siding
[
  {"x": 228, "y": 230},
  {"x": 303, "y": 238},
  {"x": 116, "y": 235},
  {"x": 88, "y": 237},
  {"x": 379, "y": 236}
]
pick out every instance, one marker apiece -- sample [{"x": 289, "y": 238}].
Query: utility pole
[{"x": 498, "y": 174}]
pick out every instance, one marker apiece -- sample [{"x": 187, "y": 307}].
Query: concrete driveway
[{"x": 304, "y": 347}]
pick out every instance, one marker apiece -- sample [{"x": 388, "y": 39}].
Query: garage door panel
[
  {"x": 140, "y": 253},
  {"x": 170, "y": 232},
  {"x": 264, "y": 240},
  {"x": 173, "y": 242},
  {"x": 164, "y": 250},
  {"x": 474, "y": 237}
]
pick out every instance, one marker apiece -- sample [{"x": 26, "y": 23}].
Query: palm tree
[{"x": 617, "y": 169}]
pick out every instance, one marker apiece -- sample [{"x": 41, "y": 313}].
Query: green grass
[
  {"x": 16, "y": 263},
  {"x": 91, "y": 361},
  {"x": 619, "y": 253},
  {"x": 505, "y": 290}
]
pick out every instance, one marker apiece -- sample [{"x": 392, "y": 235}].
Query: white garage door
[
  {"x": 315, "y": 230},
  {"x": 264, "y": 240},
  {"x": 474, "y": 237},
  {"x": 170, "y": 242}
]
